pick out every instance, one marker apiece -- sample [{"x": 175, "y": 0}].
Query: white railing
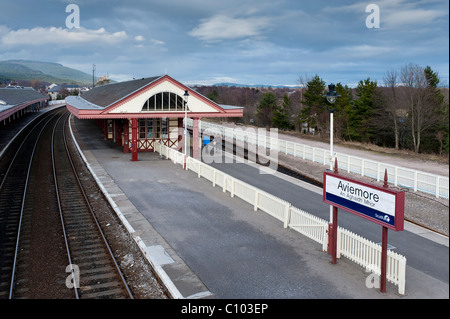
[
  {"x": 360, "y": 250},
  {"x": 417, "y": 181},
  {"x": 368, "y": 255},
  {"x": 56, "y": 102}
]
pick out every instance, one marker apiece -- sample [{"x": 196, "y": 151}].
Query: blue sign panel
[{"x": 381, "y": 205}]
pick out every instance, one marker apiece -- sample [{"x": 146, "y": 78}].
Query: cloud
[
  {"x": 221, "y": 27},
  {"x": 412, "y": 17},
  {"x": 53, "y": 35},
  {"x": 157, "y": 42},
  {"x": 398, "y": 14}
]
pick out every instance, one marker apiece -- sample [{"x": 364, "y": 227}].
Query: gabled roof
[
  {"x": 126, "y": 99},
  {"x": 13, "y": 99},
  {"x": 16, "y": 96},
  {"x": 109, "y": 94}
]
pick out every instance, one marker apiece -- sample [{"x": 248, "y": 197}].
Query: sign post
[{"x": 380, "y": 205}]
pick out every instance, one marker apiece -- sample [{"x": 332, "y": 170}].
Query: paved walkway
[{"x": 204, "y": 244}]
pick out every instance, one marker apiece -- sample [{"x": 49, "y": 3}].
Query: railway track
[{"x": 51, "y": 244}]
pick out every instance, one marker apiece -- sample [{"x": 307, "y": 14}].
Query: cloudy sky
[{"x": 269, "y": 42}]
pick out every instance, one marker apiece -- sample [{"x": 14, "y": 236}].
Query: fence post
[
  {"x": 232, "y": 187},
  {"x": 338, "y": 242},
  {"x": 401, "y": 276},
  {"x": 396, "y": 176},
  {"x": 437, "y": 186},
  {"x": 363, "y": 164},
  {"x": 415, "y": 181},
  {"x": 255, "y": 206},
  {"x": 287, "y": 215},
  {"x": 325, "y": 238},
  {"x": 224, "y": 187}
]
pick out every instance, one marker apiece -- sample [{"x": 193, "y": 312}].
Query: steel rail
[
  {"x": 18, "y": 150},
  {"x": 91, "y": 210},
  {"x": 75, "y": 284},
  {"x": 11, "y": 288}
]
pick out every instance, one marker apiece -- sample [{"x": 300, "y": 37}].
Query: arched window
[{"x": 164, "y": 101}]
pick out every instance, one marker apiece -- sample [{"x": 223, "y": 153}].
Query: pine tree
[
  {"x": 361, "y": 112},
  {"x": 267, "y": 105},
  {"x": 314, "y": 102},
  {"x": 281, "y": 118}
]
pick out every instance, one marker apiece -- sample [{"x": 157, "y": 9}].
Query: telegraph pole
[{"x": 93, "y": 75}]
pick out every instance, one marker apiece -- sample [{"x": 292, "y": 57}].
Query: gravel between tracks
[{"x": 135, "y": 268}]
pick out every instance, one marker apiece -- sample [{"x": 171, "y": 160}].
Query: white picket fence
[
  {"x": 56, "y": 102},
  {"x": 355, "y": 248},
  {"x": 368, "y": 255},
  {"x": 398, "y": 176}
]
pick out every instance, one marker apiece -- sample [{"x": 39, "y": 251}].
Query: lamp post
[
  {"x": 331, "y": 98},
  {"x": 185, "y": 96}
]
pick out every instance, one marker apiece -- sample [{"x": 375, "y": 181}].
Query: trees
[
  {"x": 440, "y": 130},
  {"x": 360, "y": 128},
  {"x": 343, "y": 107},
  {"x": 266, "y": 107},
  {"x": 424, "y": 103},
  {"x": 392, "y": 103},
  {"x": 36, "y": 84},
  {"x": 281, "y": 115},
  {"x": 410, "y": 110},
  {"x": 314, "y": 113}
]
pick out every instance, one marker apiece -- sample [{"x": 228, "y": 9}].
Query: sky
[{"x": 269, "y": 42}]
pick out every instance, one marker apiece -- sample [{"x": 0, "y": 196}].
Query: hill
[
  {"x": 255, "y": 85},
  {"x": 45, "y": 71}
]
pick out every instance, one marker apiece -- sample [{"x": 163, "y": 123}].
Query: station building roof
[
  {"x": 135, "y": 99},
  {"x": 15, "y": 98}
]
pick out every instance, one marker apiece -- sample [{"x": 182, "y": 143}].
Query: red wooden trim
[
  {"x": 134, "y": 156},
  {"x": 89, "y": 114}
]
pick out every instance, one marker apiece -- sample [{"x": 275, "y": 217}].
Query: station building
[
  {"x": 137, "y": 113},
  {"x": 16, "y": 101}
]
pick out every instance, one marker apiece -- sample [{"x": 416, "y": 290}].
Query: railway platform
[{"x": 203, "y": 244}]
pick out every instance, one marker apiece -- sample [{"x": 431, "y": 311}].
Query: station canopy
[{"x": 16, "y": 98}]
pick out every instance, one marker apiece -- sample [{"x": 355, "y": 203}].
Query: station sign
[{"x": 381, "y": 205}]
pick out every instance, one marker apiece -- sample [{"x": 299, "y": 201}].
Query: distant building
[
  {"x": 103, "y": 80},
  {"x": 53, "y": 90}
]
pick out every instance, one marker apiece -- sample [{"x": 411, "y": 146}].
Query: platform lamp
[
  {"x": 331, "y": 98},
  {"x": 185, "y": 97}
]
